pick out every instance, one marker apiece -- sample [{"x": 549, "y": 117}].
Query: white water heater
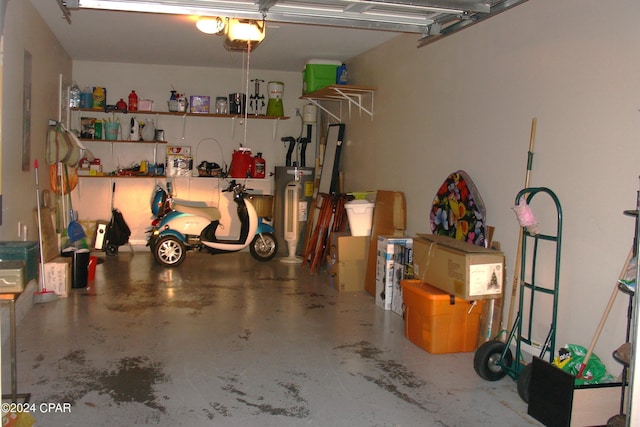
[{"x": 284, "y": 175}]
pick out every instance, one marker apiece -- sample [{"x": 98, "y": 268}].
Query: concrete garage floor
[{"x": 227, "y": 341}]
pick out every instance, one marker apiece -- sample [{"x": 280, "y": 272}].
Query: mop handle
[
  {"x": 518, "y": 260},
  {"x": 607, "y": 310},
  {"x": 35, "y": 166}
]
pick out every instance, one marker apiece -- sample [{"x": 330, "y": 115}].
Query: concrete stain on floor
[
  {"x": 129, "y": 380},
  {"x": 289, "y": 402},
  {"x": 389, "y": 375}
]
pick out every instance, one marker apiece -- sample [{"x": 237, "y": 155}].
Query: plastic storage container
[
  {"x": 11, "y": 277},
  {"x": 439, "y": 322},
  {"x": 27, "y": 252},
  {"x": 319, "y": 74},
  {"x": 360, "y": 216}
]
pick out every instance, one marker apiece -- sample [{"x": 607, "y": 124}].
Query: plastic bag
[
  {"x": 570, "y": 358},
  {"x": 629, "y": 279},
  {"x": 61, "y": 181}
]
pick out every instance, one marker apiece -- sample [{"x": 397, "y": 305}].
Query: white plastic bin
[{"x": 360, "y": 215}]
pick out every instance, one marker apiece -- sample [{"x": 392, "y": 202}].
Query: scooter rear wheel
[
  {"x": 169, "y": 251},
  {"x": 264, "y": 247}
]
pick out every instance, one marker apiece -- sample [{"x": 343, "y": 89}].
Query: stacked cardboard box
[
  {"x": 57, "y": 269},
  {"x": 346, "y": 263},
  {"x": 462, "y": 269},
  {"x": 389, "y": 219},
  {"x": 390, "y": 251}
]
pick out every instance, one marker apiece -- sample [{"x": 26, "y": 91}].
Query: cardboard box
[
  {"x": 58, "y": 275},
  {"x": 185, "y": 150},
  {"x": 199, "y": 104},
  {"x": 11, "y": 277},
  {"x": 402, "y": 269},
  {"x": 178, "y": 161},
  {"x": 389, "y": 219},
  {"x": 555, "y": 400},
  {"x": 387, "y": 247},
  {"x": 346, "y": 263},
  {"x": 462, "y": 269},
  {"x": 437, "y": 322}
]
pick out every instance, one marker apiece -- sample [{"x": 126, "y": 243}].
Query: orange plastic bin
[{"x": 439, "y": 322}]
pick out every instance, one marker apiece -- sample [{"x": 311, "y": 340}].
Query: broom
[
  {"x": 43, "y": 295},
  {"x": 518, "y": 261}
]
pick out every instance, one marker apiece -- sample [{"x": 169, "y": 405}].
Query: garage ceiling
[{"x": 163, "y": 31}]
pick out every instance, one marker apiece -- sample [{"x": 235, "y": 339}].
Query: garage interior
[{"x": 228, "y": 340}]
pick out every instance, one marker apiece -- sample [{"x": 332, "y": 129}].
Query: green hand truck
[{"x": 494, "y": 359}]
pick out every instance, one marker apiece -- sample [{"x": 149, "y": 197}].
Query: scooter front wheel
[
  {"x": 264, "y": 247},
  {"x": 169, "y": 251}
]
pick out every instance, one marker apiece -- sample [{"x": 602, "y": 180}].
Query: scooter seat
[{"x": 209, "y": 211}]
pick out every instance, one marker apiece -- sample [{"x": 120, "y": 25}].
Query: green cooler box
[
  {"x": 28, "y": 252},
  {"x": 318, "y": 74}
]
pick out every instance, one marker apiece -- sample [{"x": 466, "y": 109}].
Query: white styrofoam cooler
[{"x": 360, "y": 215}]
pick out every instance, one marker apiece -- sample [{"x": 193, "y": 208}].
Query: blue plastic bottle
[{"x": 341, "y": 75}]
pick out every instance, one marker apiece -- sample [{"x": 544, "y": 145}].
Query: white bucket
[{"x": 360, "y": 215}]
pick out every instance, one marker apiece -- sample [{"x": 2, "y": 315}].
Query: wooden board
[{"x": 49, "y": 235}]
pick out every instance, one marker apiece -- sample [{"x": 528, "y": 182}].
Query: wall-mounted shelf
[
  {"x": 354, "y": 95},
  {"x": 122, "y": 176},
  {"x": 182, "y": 114},
  {"x": 123, "y": 141}
]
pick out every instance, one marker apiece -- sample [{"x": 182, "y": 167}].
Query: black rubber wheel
[
  {"x": 524, "y": 380},
  {"x": 169, "y": 251},
  {"x": 111, "y": 249},
  {"x": 487, "y": 360},
  {"x": 264, "y": 247}
]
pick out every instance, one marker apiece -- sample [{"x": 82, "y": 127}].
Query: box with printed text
[{"x": 387, "y": 247}]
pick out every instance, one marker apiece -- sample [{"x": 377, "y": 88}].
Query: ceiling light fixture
[{"x": 212, "y": 25}]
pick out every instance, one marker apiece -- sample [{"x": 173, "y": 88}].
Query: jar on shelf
[{"x": 74, "y": 95}]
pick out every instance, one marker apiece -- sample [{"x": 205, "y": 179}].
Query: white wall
[
  {"x": 467, "y": 101},
  {"x": 211, "y": 139},
  {"x": 25, "y": 30},
  {"x": 464, "y": 102}
]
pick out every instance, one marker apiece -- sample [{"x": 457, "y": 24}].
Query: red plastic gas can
[
  {"x": 241, "y": 163},
  {"x": 258, "y": 167}
]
